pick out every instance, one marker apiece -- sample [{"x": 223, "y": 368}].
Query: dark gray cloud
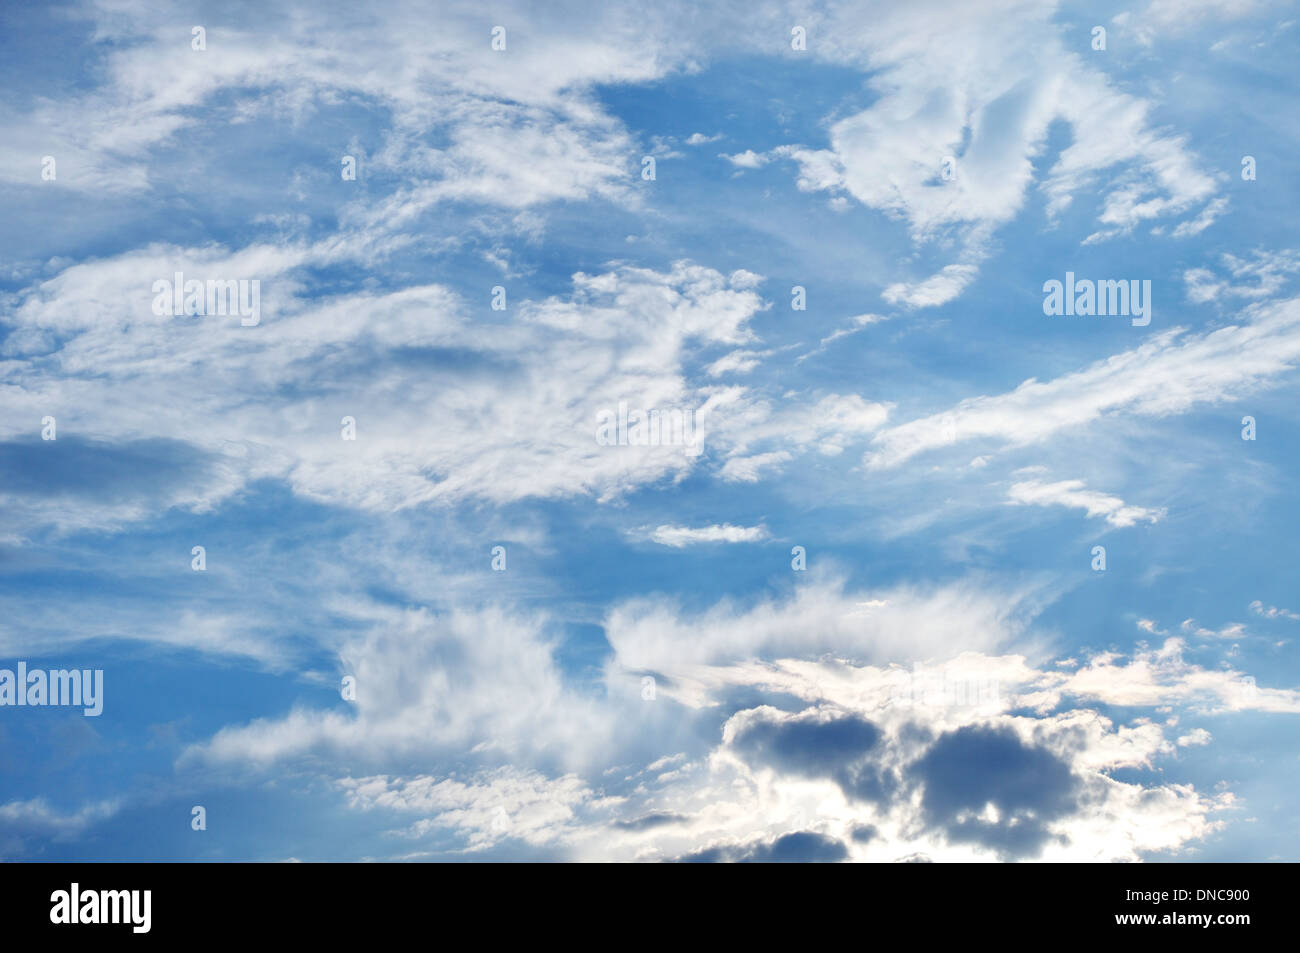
[
  {"x": 841, "y": 748},
  {"x": 800, "y": 847},
  {"x": 972, "y": 767},
  {"x": 864, "y": 833}
]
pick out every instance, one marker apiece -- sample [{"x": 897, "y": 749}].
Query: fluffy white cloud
[
  {"x": 879, "y": 764},
  {"x": 749, "y": 159},
  {"x": 902, "y": 622},
  {"x": 428, "y": 683},
  {"x": 860, "y": 766}
]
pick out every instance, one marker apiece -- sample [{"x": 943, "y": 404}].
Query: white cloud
[
  {"x": 492, "y": 806},
  {"x": 1072, "y": 493},
  {"x": 1168, "y": 373},
  {"x": 679, "y": 536},
  {"x": 51, "y": 626},
  {"x": 925, "y": 667},
  {"x": 504, "y": 409},
  {"x": 38, "y": 817},
  {"x": 482, "y": 680},
  {"x": 1260, "y": 276},
  {"x": 749, "y": 159},
  {"x": 938, "y": 289},
  {"x": 735, "y": 362},
  {"x": 749, "y": 469},
  {"x": 1234, "y": 630},
  {"x": 1161, "y": 676},
  {"x": 1273, "y": 612},
  {"x": 757, "y": 436},
  {"x": 651, "y": 635},
  {"x": 1171, "y": 17},
  {"x": 954, "y": 84},
  {"x": 521, "y": 421},
  {"x": 738, "y": 794},
  {"x": 515, "y": 128},
  {"x": 856, "y": 324},
  {"x": 1208, "y": 217}
]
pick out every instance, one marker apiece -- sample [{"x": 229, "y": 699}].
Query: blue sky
[{"x": 855, "y": 617}]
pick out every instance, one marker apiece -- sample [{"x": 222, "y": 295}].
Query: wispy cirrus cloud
[
  {"x": 953, "y": 144},
  {"x": 1169, "y": 373}
]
